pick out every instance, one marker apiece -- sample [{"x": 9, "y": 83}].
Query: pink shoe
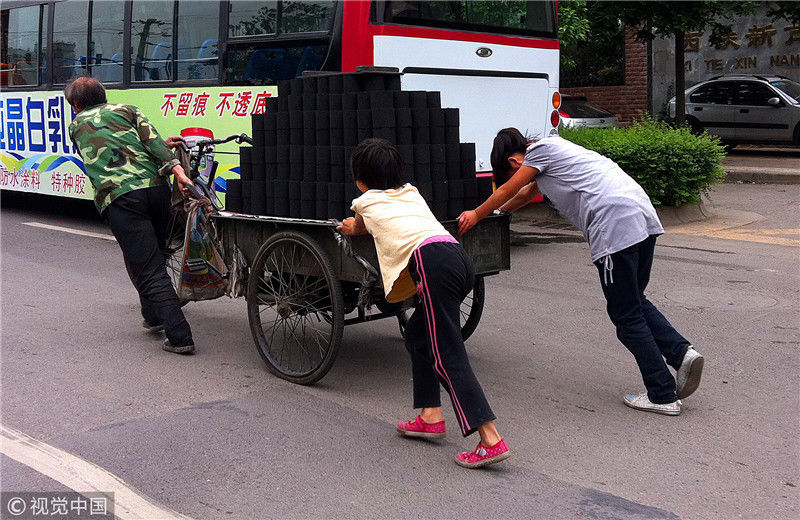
[
  {"x": 483, "y": 456},
  {"x": 419, "y": 428}
]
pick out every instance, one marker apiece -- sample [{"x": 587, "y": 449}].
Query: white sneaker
[
  {"x": 642, "y": 402},
  {"x": 688, "y": 377}
]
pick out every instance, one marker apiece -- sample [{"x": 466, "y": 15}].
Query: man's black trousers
[{"x": 139, "y": 220}]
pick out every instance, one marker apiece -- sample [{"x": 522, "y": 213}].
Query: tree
[
  {"x": 573, "y": 30},
  {"x": 784, "y": 10},
  {"x": 590, "y": 52},
  {"x": 675, "y": 19}
]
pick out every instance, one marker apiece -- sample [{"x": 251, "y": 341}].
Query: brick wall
[{"x": 624, "y": 101}]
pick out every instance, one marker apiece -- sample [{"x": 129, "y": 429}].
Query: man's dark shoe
[
  {"x": 185, "y": 349},
  {"x": 152, "y": 328}
]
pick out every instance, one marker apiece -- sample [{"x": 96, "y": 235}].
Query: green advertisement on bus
[{"x": 37, "y": 155}]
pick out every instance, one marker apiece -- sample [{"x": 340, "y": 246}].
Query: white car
[
  {"x": 576, "y": 111},
  {"x": 745, "y": 109}
]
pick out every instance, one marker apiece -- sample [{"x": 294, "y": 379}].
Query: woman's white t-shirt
[
  {"x": 594, "y": 194},
  {"x": 400, "y": 221}
]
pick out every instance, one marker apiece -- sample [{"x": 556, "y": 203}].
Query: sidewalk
[
  {"x": 745, "y": 163},
  {"x": 543, "y": 215},
  {"x": 763, "y": 164}
]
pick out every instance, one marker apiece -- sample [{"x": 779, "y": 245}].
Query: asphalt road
[{"x": 214, "y": 435}]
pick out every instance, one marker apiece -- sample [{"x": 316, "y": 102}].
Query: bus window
[
  {"x": 198, "y": 27},
  {"x": 505, "y": 17},
  {"x": 151, "y": 40},
  {"x": 106, "y": 42},
  {"x": 300, "y": 16},
  {"x": 22, "y": 53},
  {"x": 266, "y": 63},
  {"x": 248, "y": 18},
  {"x": 69, "y": 40}
]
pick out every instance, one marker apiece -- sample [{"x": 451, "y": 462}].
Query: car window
[
  {"x": 753, "y": 94},
  {"x": 576, "y": 108},
  {"x": 713, "y": 93},
  {"x": 790, "y": 88}
]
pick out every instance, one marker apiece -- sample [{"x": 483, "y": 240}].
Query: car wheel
[{"x": 797, "y": 134}]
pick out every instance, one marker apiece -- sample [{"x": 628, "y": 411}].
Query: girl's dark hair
[
  {"x": 507, "y": 142},
  {"x": 377, "y": 163}
]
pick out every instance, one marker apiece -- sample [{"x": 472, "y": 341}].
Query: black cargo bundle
[{"x": 299, "y": 165}]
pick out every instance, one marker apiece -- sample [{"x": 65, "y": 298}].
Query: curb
[
  {"x": 774, "y": 176},
  {"x": 668, "y": 215}
]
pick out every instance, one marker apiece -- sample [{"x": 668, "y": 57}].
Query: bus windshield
[{"x": 506, "y": 17}]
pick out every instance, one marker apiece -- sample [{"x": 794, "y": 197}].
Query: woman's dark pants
[
  {"x": 444, "y": 275},
  {"x": 640, "y": 326}
]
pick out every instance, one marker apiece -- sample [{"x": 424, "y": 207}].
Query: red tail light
[
  {"x": 562, "y": 113},
  {"x": 554, "y": 118}
]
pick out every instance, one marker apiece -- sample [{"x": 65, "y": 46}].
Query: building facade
[{"x": 757, "y": 45}]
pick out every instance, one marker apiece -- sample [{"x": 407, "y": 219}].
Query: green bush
[{"x": 673, "y": 166}]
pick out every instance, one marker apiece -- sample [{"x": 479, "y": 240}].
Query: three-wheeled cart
[{"x": 305, "y": 281}]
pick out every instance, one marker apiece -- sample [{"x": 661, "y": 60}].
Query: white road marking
[
  {"x": 81, "y": 476},
  {"x": 104, "y": 236}
]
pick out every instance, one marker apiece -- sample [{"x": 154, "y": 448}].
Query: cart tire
[
  {"x": 471, "y": 311},
  {"x": 472, "y": 308},
  {"x": 174, "y": 252},
  {"x": 295, "y": 307}
]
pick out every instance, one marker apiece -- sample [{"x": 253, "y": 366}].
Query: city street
[{"x": 215, "y": 435}]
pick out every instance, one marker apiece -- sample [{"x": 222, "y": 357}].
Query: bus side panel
[
  {"x": 488, "y": 104},
  {"x": 36, "y": 154},
  {"x": 513, "y": 86}
]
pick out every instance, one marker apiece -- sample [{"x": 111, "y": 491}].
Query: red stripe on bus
[
  {"x": 444, "y": 34},
  {"x": 358, "y": 34}
]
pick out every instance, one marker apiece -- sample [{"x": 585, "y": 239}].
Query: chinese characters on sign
[
  {"x": 23, "y": 179},
  {"x": 758, "y": 35},
  {"x": 35, "y": 125},
  {"x": 190, "y": 104},
  {"x": 34, "y": 141}
]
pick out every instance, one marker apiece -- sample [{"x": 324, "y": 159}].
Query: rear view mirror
[{"x": 774, "y": 101}]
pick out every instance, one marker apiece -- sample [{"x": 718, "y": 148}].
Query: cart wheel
[
  {"x": 471, "y": 311},
  {"x": 295, "y": 307},
  {"x": 174, "y": 252}
]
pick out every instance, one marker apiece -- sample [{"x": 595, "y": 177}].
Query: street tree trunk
[{"x": 680, "y": 80}]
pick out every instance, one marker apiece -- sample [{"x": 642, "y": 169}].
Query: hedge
[{"x": 673, "y": 166}]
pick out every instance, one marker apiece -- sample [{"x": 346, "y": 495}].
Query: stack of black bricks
[{"x": 299, "y": 165}]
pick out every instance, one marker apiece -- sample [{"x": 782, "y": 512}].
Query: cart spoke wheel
[
  {"x": 471, "y": 310},
  {"x": 295, "y": 307},
  {"x": 174, "y": 252}
]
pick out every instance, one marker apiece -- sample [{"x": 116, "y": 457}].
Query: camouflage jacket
[{"x": 121, "y": 151}]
